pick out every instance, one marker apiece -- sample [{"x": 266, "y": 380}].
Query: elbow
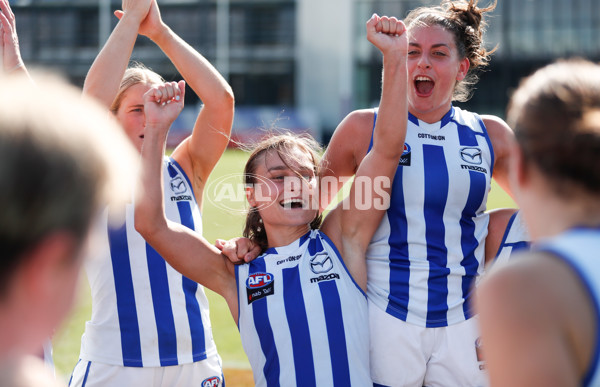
[
  {"x": 228, "y": 99},
  {"x": 145, "y": 225}
]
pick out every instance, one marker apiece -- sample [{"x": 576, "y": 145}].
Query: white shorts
[
  {"x": 403, "y": 354},
  {"x": 204, "y": 373}
]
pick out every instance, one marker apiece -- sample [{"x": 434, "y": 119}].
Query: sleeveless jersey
[
  {"x": 303, "y": 320},
  {"x": 579, "y": 248},
  {"x": 428, "y": 249},
  {"x": 144, "y": 313},
  {"x": 516, "y": 237}
]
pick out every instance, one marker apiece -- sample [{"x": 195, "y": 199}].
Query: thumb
[
  {"x": 219, "y": 243},
  {"x": 181, "y": 85},
  {"x": 372, "y": 23},
  {"x": 119, "y": 14}
]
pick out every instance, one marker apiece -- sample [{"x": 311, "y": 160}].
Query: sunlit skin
[
  {"x": 277, "y": 187},
  {"x": 131, "y": 114},
  {"x": 432, "y": 55}
]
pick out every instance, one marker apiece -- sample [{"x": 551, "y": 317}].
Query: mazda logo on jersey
[
  {"x": 211, "y": 382},
  {"x": 405, "y": 158},
  {"x": 178, "y": 185},
  {"x": 471, "y": 155},
  {"x": 259, "y": 285},
  {"x": 321, "y": 263}
]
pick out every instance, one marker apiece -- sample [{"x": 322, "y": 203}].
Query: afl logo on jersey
[
  {"x": 259, "y": 285},
  {"x": 405, "y": 158},
  {"x": 471, "y": 155},
  {"x": 259, "y": 280},
  {"x": 215, "y": 381}
]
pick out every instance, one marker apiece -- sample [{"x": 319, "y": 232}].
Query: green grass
[{"x": 217, "y": 223}]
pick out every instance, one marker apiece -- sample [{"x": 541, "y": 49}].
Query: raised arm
[
  {"x": 201, "y": 151},
  {"x": 104, "y": 77},
  {"x": 10, "y": 53},
  {"x": 351, "y": 225},
  {"x": 185, "y": 250}
]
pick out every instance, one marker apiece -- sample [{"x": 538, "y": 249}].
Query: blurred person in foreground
[
  {"x": 61, "y": 160},
  {"x": 58, "y": 166},
  {"x": 539, "y": 314}
]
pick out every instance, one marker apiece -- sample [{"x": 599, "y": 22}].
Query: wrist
[
  {"x": 132, "y": 18},
  {"x": 160, "y": 35}
]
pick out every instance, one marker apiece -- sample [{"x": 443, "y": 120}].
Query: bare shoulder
[
  {"x": 355, "y": 128},
  {"x": 349, "y": 143},
  {"x": 538, "y": 305},
  {"x": 500, "y": 133}
]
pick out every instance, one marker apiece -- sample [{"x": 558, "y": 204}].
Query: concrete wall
[{"x": 324, "y": 58}]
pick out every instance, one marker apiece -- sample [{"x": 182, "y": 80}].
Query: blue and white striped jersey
[
  {"x": 516, "y": 237},
  {"x": 302, "y": 318},
  {"x": 579, "y": 248},
  {"x": 144, "y": 313},
  {"x": 428, "y": 250}
]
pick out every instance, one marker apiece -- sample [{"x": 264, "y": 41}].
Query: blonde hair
[{"x": 137, "y": 73}]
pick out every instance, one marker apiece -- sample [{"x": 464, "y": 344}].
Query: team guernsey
[
  {"x": 302, "y": 318},
  {"x": 516, "y": 237},
  {"x": 428, "y": 250},
  {"x": 579, "y": 249},
  {"x": 144, "y": 313}
]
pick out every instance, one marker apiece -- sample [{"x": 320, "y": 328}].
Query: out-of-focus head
[
  {"x": 297, "y": 154},
  {"x": 465, "y": 22},
  {"x": 62, "y": 158},
  {"x": 555, "y": 114}
]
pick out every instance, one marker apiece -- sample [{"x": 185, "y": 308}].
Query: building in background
[{"x": 304, "y": 64}]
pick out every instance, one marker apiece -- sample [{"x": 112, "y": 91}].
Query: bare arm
[
  {"x": 10, "y": 53},
  {"x": 535, "y": 332},
  {"x": 499, "y": 219},
  {"x": 104, "y": 77},
  {"x": 201, "y": 151},
  {"x": 185, "y": 250},
  {"x": 501, "y": 136},
  {"x": 351, "y": 228},
  {"x": 347, "y": 148}
]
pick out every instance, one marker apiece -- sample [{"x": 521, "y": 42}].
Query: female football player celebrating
[{"x": 300, "y": 308}]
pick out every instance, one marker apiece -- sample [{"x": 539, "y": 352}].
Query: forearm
[
  {"x": 149, "y": 205},
  {"x": 197, "y": 71},
  {"x": 104, "y": 77},
  {"x": 390, "y": 128}
]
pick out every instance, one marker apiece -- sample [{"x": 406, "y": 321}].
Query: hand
[
  {"x": 238, "y": 250},
  {"x": 137, "y": 9},
  {"x": 151, "y": 24},
  {"x": 387, "y": 34},
  {"x": 9, "y": 47},
  {"x": 163, "y": 103}
]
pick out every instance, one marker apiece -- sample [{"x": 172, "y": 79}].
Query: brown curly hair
[{"x": 466, "y": 23}]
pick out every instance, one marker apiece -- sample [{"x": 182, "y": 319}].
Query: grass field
[{"x": 217, "y": 224}]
